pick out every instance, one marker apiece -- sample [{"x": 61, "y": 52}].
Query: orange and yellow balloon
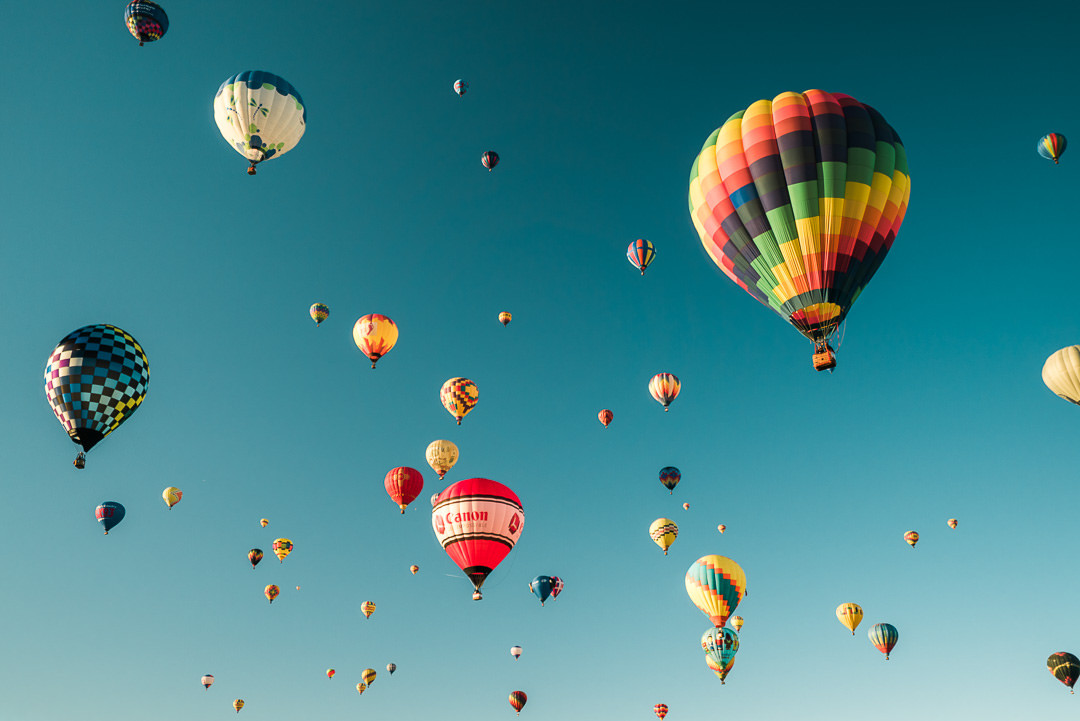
[
  {"x": 330, "y": 673},
  {"x": 271, "y": 592},
  {"x": 282, "y": 548},
  {"x": 737, "y": 623},
  {"x": 912, "y": 537},
  {"x": 952, "y": 522},
  {"x": 459, "y": 396},
  {"x": 505, "y": 318},
  {"x": 367, "y": 608},
  {"x": 172, "y": 496},
  {"x": 238, "y": 704},
  {"x": 414, "y": 568},
  {"x": 361, "y": 687},
  {"x": 375, "y": 335},
  {"x": 263, "y": 522}
]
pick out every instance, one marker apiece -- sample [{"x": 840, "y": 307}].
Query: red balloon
[
  {"x": 477, "y": 521},
  {"x": 404, "y": 485},
  {"x": 605, "y": 417},
  {"x": 517, "y": 700}
]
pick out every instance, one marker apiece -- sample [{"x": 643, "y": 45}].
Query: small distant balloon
[
  {"x": 505, "y": 318},
  {"x": 640, "y": 253},
  {"x": 660, "y": 710},
  {"x": 664, "y": 388},
  {"x": 414, "y": 568},
  {"x": 1052, "y": 146},
  {"x": 490, "y": 159},
  {"x": 282, "y": 547},
  {"x": 375, "y": 335},
  {"x": 109, "y": 514},
  {"x": 391, "y": 667},
  {"x": 403, "y": 485},
  {"x": 517, "y": 700},
  {"x": 952, "y": 522},
  {"x": 361, "y": 687},
  {"x": 850, "y": 614},
  {"x": 544, "y": 586},
  {"x": 263, "y": 522},
  {"x": 330, "y": 673},
  {"x": 172, "y": 496},
  {"x": 319, "y": 312},
  {"x": 670, "y": 477},
  {"x": 606, "y": 417},
  {"x": 254, "y": 556},
  {"x": 238, "y": 704},
  {"x": 884, "y": 637},
  {"x": 686, "y": 506},
  {"x": 368, "y": 675},
  {"x": 367, "y": 608},
  {"x": 459, "y": 396},
  {"x": 737, "y": 623},
  {"x": 721, "y": 528},
  {"x": 1065, "y": 668},
  {"x": 207, "y": 681},
  {"x": 441, "y": 456},
  {"x": 912, "y": 537},
  {"x": 461, "y": 87},
  {"x": 271, "y": 592},
  {"x": 663, "y": 532},
  {"x": 146, "y": 21},
  {"x": 515, "y": 651}
]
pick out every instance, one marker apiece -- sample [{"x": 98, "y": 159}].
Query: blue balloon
[
  {"x": 109, "y": 514},
  {"x": 544, "y": 586}
]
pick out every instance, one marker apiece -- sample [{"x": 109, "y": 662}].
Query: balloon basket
[{"x": 824, "y": 361}]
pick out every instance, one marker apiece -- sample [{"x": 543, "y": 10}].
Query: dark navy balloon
[
  {"x": 543, "y": 586},
  {"x": 670, "y": 477},
  {"x": 109, "y": 514},
  {"x": 146, "y": 20}
]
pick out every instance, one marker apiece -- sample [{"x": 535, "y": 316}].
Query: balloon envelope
[
  {"x": 367, "y": 608},
  {"x": 640, "y": 253},
  {"x": 505, "y": 317},
  {"x": 489, "y": 160},
  {"x": 461, "y": 87},
  {"x": 368, "y": 675},
  {"x": 517, "y": 700},
  {"x": 260, "y": 115},
  {"x": 441, "y": 456},
  {"x": 850, "y": 614},
  {"x": 720, "y": 644},
  {"x": 664, "y": 388},
  {"x": 330, "y": 673},
  {"x": 391, "y": 667},
  {"x": 238, "y": 704},
  {"x": 172, "y": 496},
  {"x": 884, "y": 637},
  {"x": 1061, "y": 373},
  {"x": 319, "y": 312},
  {"x": 1065, "y": 667},
  {"x": 515, "y": 651},
  {"x": 207, "y": 681},
  {"x": 660, "y": 710},
  {"x": 670, "y": 477},
  {"x": 606, "y": 417},
  {"x": 737, "y": 623},
  {"x": 716, "y": 584},
  {"x": 952, "y": 522},
  {"x": 271, "y": 592},
  {"x": 109, "y": 514},
  {"x": 663, "y": 532},
  {"x": 146, "y": 20},
  {"x": 263, "y": 522},
  {"x": 403, "y": 484},
  {"x": 912, "y": 537},
  {"x": 375, "y": 335},
  {"x": 1051, "y": 146},
  {"x": 282, "y": 547},
  {"x": 459, "y": 396},
  {"x": 254, "y": 556}
]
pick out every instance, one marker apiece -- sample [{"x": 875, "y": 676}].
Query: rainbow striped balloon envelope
[{"x": 798, "y": 200}]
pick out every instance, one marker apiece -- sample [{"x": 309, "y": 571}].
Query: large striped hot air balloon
[
  {"x": 477, "y": 521},
  {"x": 884, "y": 637},
  {"x": 798, "y": 200},
  {"x": 1050, "y": 146},
  {"x": 716, "y": 584},
  {"x": 260, "y": 115},
  {"x": 1065, "y": 668}
]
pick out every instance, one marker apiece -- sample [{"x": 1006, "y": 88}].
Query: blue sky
[{"x": 122, "y": 204}]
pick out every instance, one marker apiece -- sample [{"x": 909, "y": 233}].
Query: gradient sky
[{"x": 122, "y": 204}]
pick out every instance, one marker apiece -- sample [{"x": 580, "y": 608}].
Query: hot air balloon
[
  {"x": 720, "y": 644},
  {"x": 490, "y": 159},
  {"x": 403, "y": 484},
  {"x": 798, "y": 201},
  {"x": 459, "y": 396},
  {"x": 95, "y": 378},
  {"x": 271, "y": 592},
  {"x": 557, "y": 586},
  {"x": 361, "y": 687},
  {"x": 670, "y": 477},
  {"x": 850, "y": 614},
  {"x": 716, "y": 584},
  {"x": 255, "y": 555},
  {"x": 1061, "y": 373},
  {"x": 505, "y": 318},
  {"x": 721, "y": 528},
  {"x": 461, "y": 87},
  {"x": 172, "y": 496},
  {"x": 282, "y": 547},
  {"x": 686, "y": 506},
  {"x": 517, "y": 700},
  {"x": 263, "y": 522},
  {"x": 721, "y": 672},
  {"x": 375, "y": 335},
  {"x": 368, "y": 675},
  {"x": 441, "y": 456},
  {"x": 664, "y": 387},
  {"x": 260, "y": 115},
  {"x": 952, "y": 522},
  {"x": 1065, "y": 668},
  {"x": 477, "y": 521},
  {"x": 319, "y": 312},
  {"x": 1050, "y": 146},
  {"x": 434, "y": 499},
  {"x": 146, "y": 21},
  {"x": 367, "y": 608},
  {"x": 544, "y": 586},
  {"x": 238, "y": 704},
  {"x": 606, "y": 417},
  {"x": 737, "y": 623},
  {"x": 884, "y": 637},
  {"x": 640, "y": 253},
  {"x": 109, "y": 513},
  {"x": 207, "y": 681},
  {"x": 663, "y": 531},
  {"x": 660, "y": 710},
  {"x": 414, "y": 568},
  {"x": 330, "y": 673},
  {"x": 912, "y": 537},
  {"x": 391, "y": 667},
  {"x": 515, "y": 651}
]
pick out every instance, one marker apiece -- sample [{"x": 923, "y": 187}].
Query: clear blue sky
[{"x": 122, "y": 204}]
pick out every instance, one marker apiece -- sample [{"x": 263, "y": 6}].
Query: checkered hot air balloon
[
  {"x": 403, "y": 484},
  {"x": 477, "y": 521},
  {"x": 664, "y": 388},
  {"x": 716, "y": 584},
  {"x": 797, "y": 200},
  {"x": 640, "y": 253},
  {"x": 261, "y": 115},
  {"x": 660, "y": 710},
  {"x": 282, "y": 547},
  {"x": 146, "y": 21},
  {"x": 459, "y": 396},
  {"x": 1051, "y": 146},
  {"x": 95, "y": 378},
  {"x": 884, "y": 637}
]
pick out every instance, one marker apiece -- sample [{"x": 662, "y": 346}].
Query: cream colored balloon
[
  {"x": 441, "y": 456},
  {"x": 1061, "y": 373},
  {"x": 260, "y": 115}
]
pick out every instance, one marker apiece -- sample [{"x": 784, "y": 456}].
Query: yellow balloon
[
  {"x": 238, "y": 704},
  {"x": 360, "y": 687},
  {"x": 368, "y": 675},
  {"x": 441, "y": 456},
  {"x": 1061, "y": 373},
  {"x": 850, "y": 614},
  {"x": 172, "y": 496},
  {"x": 375, "y": 335},
  {"x": 663, "y": 531},
  {"x": 716, "y": 584}
]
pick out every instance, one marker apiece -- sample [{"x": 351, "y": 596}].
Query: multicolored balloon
[
  {"x": 254, "y": 556},
  {"x": 721, "y": 528},
  {"x": 109, "y": 513},
  {"x": 515, "y": 651},
  {"x": 606, "y": 417},
  {"x": 640, "y": 253},
  {"x": 490, "y": 159},
  {"x": 238, "y": 704},
  {"x": 207, "y": 681},
  {"x": 172, "y": 496},
  {"x": 686, "y": 506},
  {"x": 461, "y": 87},
  {"x": 367, "y": 608},
  {"x": 884, "y": 637},
  {"x": 459, "y": 396},
  {"x": 912, "y": 537},
  {"x": 330, "y": 673},
  {"x": 720, "y": 644},
  {"x": 517, "y": 700},
  {"x": 1061, "y": 373},
  {"x": 264, "y": 522},
  {"x": 260, "y": 115},
  {"x": 1065, "y": 667},
  {"x": 797, "y": 201},
  {"x": 282, "y": 547},
  {"x": 952, "y": 522},
  {"x": 850, "y": 614},
  {"x": 663, "y": 532},
  {"x": 319, "y": 312},
  {"x": 95, "y": 378},
  {"x": 670, "y": 477},
  {"x": 146, "y": 21},
  {"x": 660, "y": 710},
  {"x": 271, "y": 592},
  {"x": 361, "y": 687},
  {"x": 403, "y": 484},
  {"x": 414, "y": 568},
  {"x": 505, "y": 318},
  {"x": 375, "y": 336},
  {"x": 716, "y": 585},
  {"x": 368, "y": 675},
  {"x": 721, "y": 672},
  {"x": 391, "y": 667},
  {"x": 1050, "y": 146},
  {"x": 737, "y": 623},
  {"x": 664, "y": 388},
  {"x": 477, "y": 521}
]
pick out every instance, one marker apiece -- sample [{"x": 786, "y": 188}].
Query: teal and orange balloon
[
  {"x": 797, "y": 201},
  {"x": 884, "y": 637},
  {"x": 1051, "y": 146},
  {"x": 716, "y": 585},
  {"x": 319, "y": 312},
  {"x": 640, "y": 253},
  {"x": 1065, "y": 667}
]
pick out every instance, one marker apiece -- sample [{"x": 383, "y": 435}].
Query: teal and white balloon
[
  {"x": 721, "y": 645},
  {"x": 261, "y": 115}
]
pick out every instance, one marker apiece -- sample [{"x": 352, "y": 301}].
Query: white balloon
[{"x": 260, "y": 115}]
